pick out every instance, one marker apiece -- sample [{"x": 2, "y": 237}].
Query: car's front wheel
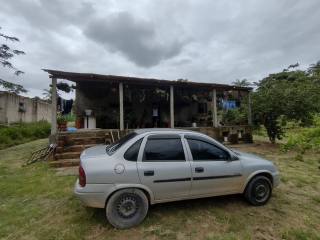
[
  {"x": 127, "y": 208},
  {"x": 258, "y": 191}
]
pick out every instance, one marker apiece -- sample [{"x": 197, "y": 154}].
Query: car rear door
[
  {"x": 213, "y": 171},
  {"x": 163, "y": 166}
]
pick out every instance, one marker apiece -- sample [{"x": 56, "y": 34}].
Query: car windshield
[{"x": 113, "y": 147}]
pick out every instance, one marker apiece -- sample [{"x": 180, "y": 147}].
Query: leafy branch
[
  {"x": 7, "y": 53},
  {"x": 12, "y": 87}
]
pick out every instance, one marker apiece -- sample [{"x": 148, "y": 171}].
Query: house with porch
[{"x": 108, "y": 106}]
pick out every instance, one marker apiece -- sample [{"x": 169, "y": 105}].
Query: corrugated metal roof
[{"x": 78, "y": 77}]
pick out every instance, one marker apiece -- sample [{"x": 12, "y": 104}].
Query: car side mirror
[{"x": 233, "y": 157}]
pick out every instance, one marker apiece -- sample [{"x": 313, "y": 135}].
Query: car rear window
[
  {"x": 132, "y": 153},
  {"x": 112, "y": 148}
]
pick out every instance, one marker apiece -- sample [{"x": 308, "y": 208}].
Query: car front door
[
  {"x": 163, "y": 167},
  {"x": 213, "y": 171}
]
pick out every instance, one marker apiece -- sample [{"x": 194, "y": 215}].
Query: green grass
[
  {"x": 22, "y": 133},
  {"x": 260, "y": 134},
  {"x": 37, "y": 203}
]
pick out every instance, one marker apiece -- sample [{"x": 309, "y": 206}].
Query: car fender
[
  {"x": 254, "y": 174},
  {"x": 117, "y": 187}
]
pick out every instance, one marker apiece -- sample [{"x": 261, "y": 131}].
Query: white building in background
[{"x": 15, "y": 108}]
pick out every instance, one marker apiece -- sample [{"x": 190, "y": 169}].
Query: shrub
[
  {"x": 61, "y": 119},
  {"x": 305, "y": 139},
  {"x": 23, "y": 132},
  {"x": 234, "y": 117}
]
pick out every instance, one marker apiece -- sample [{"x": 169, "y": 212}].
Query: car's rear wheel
[
  {"x": 258, "y": 191},
  {"x": 127, "y": 208}
]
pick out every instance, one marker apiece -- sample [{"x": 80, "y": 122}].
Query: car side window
[
  {"x": 132, "y": 152},
  {"x": 163, "y": 149},
  {"x": 204, "y": 151}
]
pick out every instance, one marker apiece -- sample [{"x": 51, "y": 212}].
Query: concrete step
[
  {"x": 81, "y": 141},
  {"x": 67, "y": 155},
  {"x": 92, "y": 133},
  {"x": 88, "y": 138},
  {"x": 71, "y": 145},
  {"x": 83, "y": 134},
  {"x": 65, "y": 163},
  {"x": 74, "y": 148}
]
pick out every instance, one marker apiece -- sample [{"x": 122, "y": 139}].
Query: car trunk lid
[{"x": 92, "y": 152}]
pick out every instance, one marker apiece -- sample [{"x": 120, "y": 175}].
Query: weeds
[{"x": 24, "y": 132}]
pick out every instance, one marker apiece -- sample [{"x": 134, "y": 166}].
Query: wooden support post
[
  {"x": 214, "y": 108},
  {"x": 121, "y": 106},
  {"x": 249, "y": 109},
  {"x": 54, "y": 107},
  {"x": 171, "y": 107}
]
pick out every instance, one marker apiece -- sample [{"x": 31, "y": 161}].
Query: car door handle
[
  {"x": 149, "y": 173},
  {"x": 199, "y": 169}
]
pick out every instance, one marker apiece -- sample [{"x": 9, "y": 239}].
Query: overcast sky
[{"x": 203, "y": 40}]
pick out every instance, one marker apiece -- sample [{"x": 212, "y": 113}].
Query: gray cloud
[
  {"x": 49, "y": 15},
  {"x": 134, "y": 38},
  {"x": 211, "y": 41}
]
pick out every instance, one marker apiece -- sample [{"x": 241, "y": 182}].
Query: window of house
[
  {"x": 132, "y": 153},
  {"x": 164, "y": 149},
  {"x": 203, "y": 151}
]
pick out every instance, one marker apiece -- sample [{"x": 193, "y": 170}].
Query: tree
[
  {"x": 242, "y": 83},
  {"x": 6, "y": 54},
  {"x": 12, "y": 87},
  {"x": 291, "y": 66},
  {"x": 314, "y": 71},
  {"x": 287, "y": 95},
  {"x": 47, "y": 93},
  {"x": 65, "y": 87}
]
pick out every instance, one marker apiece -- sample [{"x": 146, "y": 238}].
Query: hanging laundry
[
  {"x": 64, "y": 106},
  {"x": 231, "y": 104},
  {"x": 67, "y": 106}
]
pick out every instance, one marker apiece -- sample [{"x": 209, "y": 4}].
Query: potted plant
[{"x": 62, "y": 122}]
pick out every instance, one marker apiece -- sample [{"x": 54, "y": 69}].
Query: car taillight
[{"x": 82, "y": 177}]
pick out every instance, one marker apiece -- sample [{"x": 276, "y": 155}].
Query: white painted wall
[{"x": 35, "y": 110}]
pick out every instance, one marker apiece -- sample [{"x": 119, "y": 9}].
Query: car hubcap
[
  {"x": 127, "y": 206},
  {"x": 261, "y": 192}
]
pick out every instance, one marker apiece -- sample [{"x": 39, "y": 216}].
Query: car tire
[
  {"x": 127, "y": 208},
  {"x": 258, "y": 191}
]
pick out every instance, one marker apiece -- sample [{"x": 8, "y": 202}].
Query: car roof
[
  {"x": 159, "y": 130},
  {"x": 146, "y": 131}
]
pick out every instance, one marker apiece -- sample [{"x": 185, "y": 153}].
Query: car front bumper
[
  {"x": 93, "y": 195},
  {"x": 276, "y": 179}
]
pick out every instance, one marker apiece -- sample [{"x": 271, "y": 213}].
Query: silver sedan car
[{"x": 150, "y": 166}]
